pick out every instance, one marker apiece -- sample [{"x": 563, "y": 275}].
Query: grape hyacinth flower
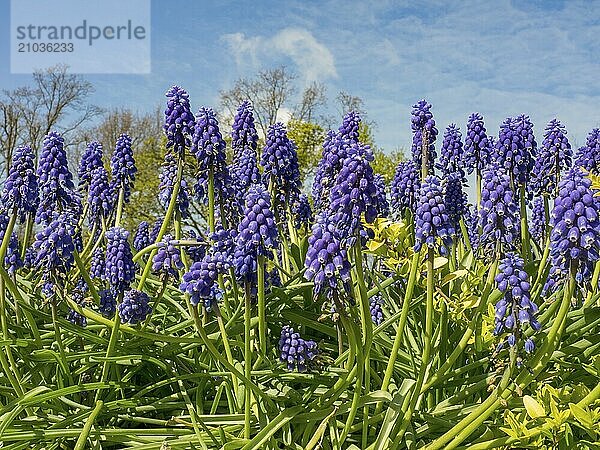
[
  {"x": 297, "y": 353},
  {"x": 335, "y": 151},
  {"x": 195, "y": 252},
  {"x": 78, "y": 297},
  {"x": 477, "y": 147},
  {"x": 98, "y": 263},
  {"x": 55, "y": 180},
  {"x": 12, "y": 258},
  {"x": 201, "y": 280},
  {"x": 537, "y": 226},
  {"x": 516, "y": 148},
  {"x": 575, "y": 236},
  {"x": 280, "y": 162},
  {"x": 326, "y": 260},
  {"x": 302, "y": 212},
  {"x": 141, "y": 239},
  {"x": 455, "y": 199},
  {"x": 135, "y": 307},
  {"x": 122, "y": 167},
  {"x": 55, "y": 245},
  {"x": 108, "y": 303},
  {"x": 243, "y": 132},
  {"x": 515, "y": 310},
  {"x": 179, "y": 120},
  {"x": 21, "y": 191},
  {"x": 209, "y": 148},
  {"x": 588, "y": 156},
  {"x": 376, "y": 310},
  {"x": 257, "y": 233},
  {"x": 91, "y": 160},
  {"x": 119, "y": 265},
  {"x": 554, "y": 158},
  {"x": 423, "y": 128},
  {"x": 432, "y": 225},
  {"x": 498, "y": 211},
  {"x": 168, "y": 176},
  {"x": 353, "y": 195},
  {"x": 100, "y": 197},
  {"x": 167, "y": 260},
  {"x": 451, "y": 155},
  {"x": 383, "y": 206},
  {"x": 472, "y": 225},
  {"x": 350, "y": 128},
  {"x": 155, "y": 230},
  {"x": 405, "y": 188}
]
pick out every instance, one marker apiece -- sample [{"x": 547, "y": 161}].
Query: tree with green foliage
[{"x": 308, "y": 137}]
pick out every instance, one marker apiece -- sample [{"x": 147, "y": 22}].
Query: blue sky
[{"x": 500, "y": 58}]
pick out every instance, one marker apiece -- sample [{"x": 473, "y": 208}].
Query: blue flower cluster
[
  {"x": 537, "y": 225},
  {"x": 201, "y": 280},
  {"x": 451, "y": 157},
  {"x": 326, "y": 260},
  {"x": 515, "y": 309},
  {"x": 515, "y": 149},
  {"x": 243, "y": 132},
  {"x": 119, "y": 265},
  {"x": 122, "y": 167},
  {"x": 12, "y": 258},
  {"x": 100, "y": 197},
  {"x": 498, "y": 212},
  {"x": 455, "y": 199},
  {"x": 21, "y": 192},
  {"x": 55, "y": 244},
  {"x": 350, "y": 128},
  {"x": 335, "y": 151},
  {"x": 195, "y": 252},
  {"x": 554, "y": 158},
  {"x": 575, "y": 236},
  {"x": 405, "y": 188},
  {"x": 432, "y": 223},
  {"x": 141, "y": 239},
  {"x": 209, "y": 148},
  {"x": 168, "y": 176},
  {"x": 97, "y": 263},
  {"x": 472, "y": 225},
  {"x": 477, "y": 145},
  {"x": 376, "y": 309},
  {"x": 108, "y": 303},
  {"x": 383, "y": 205},
  {"x": 280, "y": 162},
  {"x": 296, "y": 352},
  {"x": 179, "y": 120},
  {"x": 257, "y": 233},
  {"x": 424, "y": 130},
  {"x": 156, "y": 229},
  {"x": 135, "y": 307},
  {"x": 167, "y": 260},
  {"x": 55, "y": 180},
  {"x": 302, "y": 212},
  {"x": 353, "y": 195},
  {"x": 588, "y": 156},
  {"x": 90, "y": 160}
]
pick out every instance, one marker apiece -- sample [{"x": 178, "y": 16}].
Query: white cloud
[{"x": 313, "y": 60}]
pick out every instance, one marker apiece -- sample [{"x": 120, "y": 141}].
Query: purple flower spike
[
  {"x": 477, "y": 145},
  {"x": 588, "y": 156},
  {"x": 135, "y": 307},
  {"x": 122, "y": 166},
  {"x": 167, "y": 260},
  {"x": 179, "y": 120},
  {"x": 21, "y": 190},
  {"x": 423, "y": 126},
  {"x": 243, "y": 132},
  {"x": 451, "y": 157},
  {"x": 91, "y": 160},
  {"x": 432, "y": 223},
  {"x": 168, "y": 176},
  {"x": 555, "y": 157},
  {"x": 297, "y": 353},
  {"x": 120, "y": 268},
  {"x": 405, "y": 188}
]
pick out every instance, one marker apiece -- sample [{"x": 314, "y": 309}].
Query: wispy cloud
[{"x": 313, "y": 60}]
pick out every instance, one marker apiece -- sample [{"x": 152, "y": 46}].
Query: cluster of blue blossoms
[{"x": 296, "y": 352}]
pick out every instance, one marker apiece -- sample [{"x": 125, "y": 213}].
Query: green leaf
[
  {"x": 439, "y": 262},
  {"x": 582, "y": 416},
  {"x": 533, "y": 408}
]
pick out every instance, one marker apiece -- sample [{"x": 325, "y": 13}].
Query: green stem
[
  {"x": 8, "y": 366},
  {"x": 120, "y": 203},
  {"x": 7, "y": 234},
  {"x": 226, "y": 346},
  {"x": 112, "y": 343},
  {"x": 61, "y": 348},
  {"x": 427, "y": 338},
  {"x": 524, "y": 227},
  {"x": 262, "y": 324},
  {"x": 28, "y": 228},
  {"x": 408, "y": 295},
  {"x": 247, "y": 359},
  {"x": 81, "y": 440},
  {"x": 211, "y": 200}
]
